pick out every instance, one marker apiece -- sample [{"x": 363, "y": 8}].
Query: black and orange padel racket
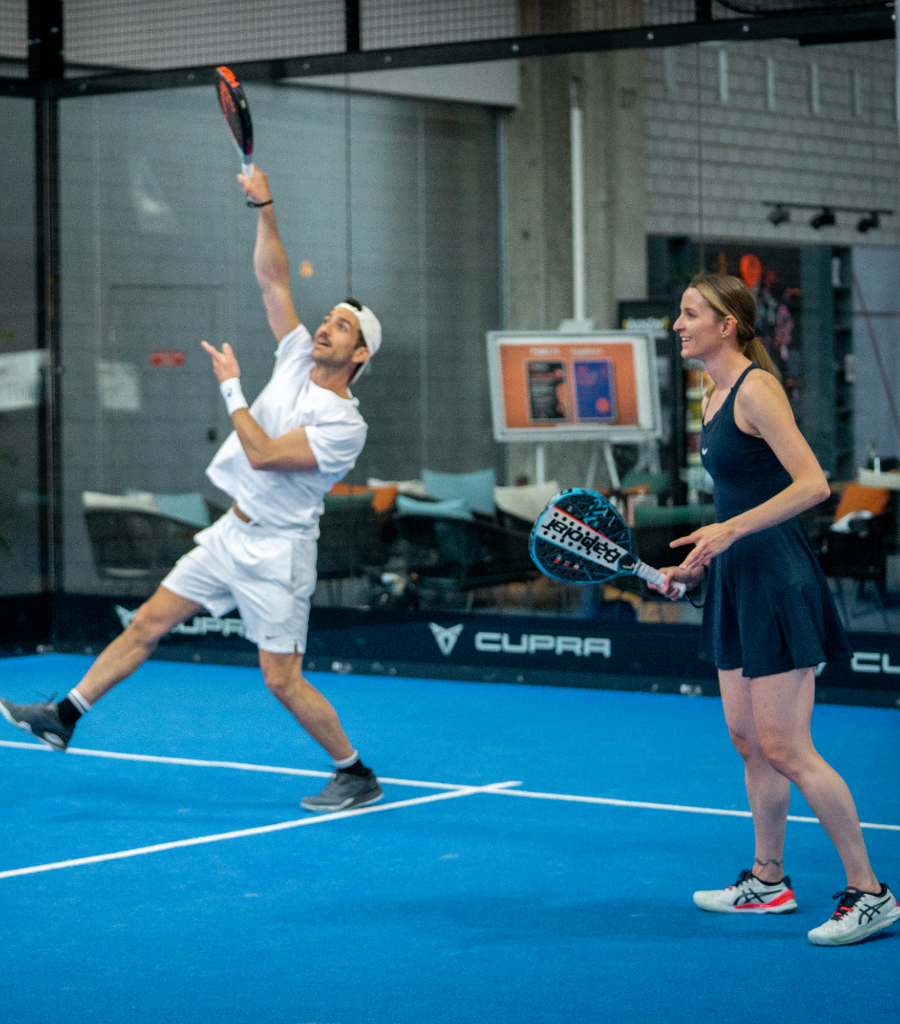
[{"x": 237, "y": 115}]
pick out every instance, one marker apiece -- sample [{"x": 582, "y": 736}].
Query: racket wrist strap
[
  {"x": 259, "y": 206},
  {"x": 234, "y": 397}
]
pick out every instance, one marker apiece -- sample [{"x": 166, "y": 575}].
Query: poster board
[{"x": 554, "y": 386}]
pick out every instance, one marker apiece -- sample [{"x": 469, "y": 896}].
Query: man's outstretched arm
[{"x": 270, "y": 262}]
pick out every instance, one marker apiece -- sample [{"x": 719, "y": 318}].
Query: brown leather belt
[{"x": 239, "y": 513}]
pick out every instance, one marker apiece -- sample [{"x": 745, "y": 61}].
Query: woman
[{"x": 769, "y": 617}]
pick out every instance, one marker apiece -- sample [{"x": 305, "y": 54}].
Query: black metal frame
[
  {"x": 848, "y": 25},
  {"x": 45, "y": 66}
]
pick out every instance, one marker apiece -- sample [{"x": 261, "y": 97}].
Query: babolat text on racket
[
  {"x": 581, "y": 538},
  {"x": 237, "y": 115}
]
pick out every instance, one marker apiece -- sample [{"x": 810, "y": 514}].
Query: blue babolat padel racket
[{"x": 581, "y": 538}]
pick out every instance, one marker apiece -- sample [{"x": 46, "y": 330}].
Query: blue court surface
[{"x": 533, "y": 860}]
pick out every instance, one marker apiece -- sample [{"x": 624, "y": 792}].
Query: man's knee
[
  {"x": 281, "y": 672},
  {"x": 154, "y": 619}
]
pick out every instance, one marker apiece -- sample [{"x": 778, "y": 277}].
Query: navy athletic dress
[{"x": 768, "y": 607}]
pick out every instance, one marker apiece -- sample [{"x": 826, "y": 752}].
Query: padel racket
[
  {"x": 581, "y": 538},
  {"x": 237, "y": 115}
]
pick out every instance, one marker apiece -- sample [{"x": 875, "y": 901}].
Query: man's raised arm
[{"x": 270, "y": 262}]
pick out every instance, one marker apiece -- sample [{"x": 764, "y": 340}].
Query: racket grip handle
[
  {"x": 652, "y": 575},
  {"x": 247, "y": 169}
]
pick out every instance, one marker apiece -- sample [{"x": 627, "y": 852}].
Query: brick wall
[{"x": 748, "y": 111}]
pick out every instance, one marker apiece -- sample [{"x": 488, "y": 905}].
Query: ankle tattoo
[{"x": 767, "y": 863}]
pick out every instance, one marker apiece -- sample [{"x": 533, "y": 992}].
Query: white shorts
[{"x": 268, "y": 575}]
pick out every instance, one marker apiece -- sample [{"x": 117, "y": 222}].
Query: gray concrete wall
[{"x": 540, "y": 209}]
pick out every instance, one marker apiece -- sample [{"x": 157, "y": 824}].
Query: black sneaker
[
  {"x": 345, "y": 790},
  {"x": 41, "y": 720}
]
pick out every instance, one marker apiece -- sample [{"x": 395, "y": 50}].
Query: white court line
[
  {"x": 258, "y": 831},
  {"x": 688, "y": 809},
  {"x": 609, "y": 801},
  {"x": 155, "y": 759}
]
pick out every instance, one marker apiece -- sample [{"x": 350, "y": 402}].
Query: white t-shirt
[{"x": 334, "y": 428}]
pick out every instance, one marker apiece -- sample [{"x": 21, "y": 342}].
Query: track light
[
  {"x": 823, "y": 219},
  {"x": 824, "y": 215}
]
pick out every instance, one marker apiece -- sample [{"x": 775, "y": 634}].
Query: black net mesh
[
  {"x": 388, "y": 23},
  {"x": 179, "y": 33},
  {"x": 13, "y": 29},
  {"x": 761, "y": 7}
]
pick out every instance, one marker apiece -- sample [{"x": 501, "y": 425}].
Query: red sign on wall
[{"x": 167, "y": 357}]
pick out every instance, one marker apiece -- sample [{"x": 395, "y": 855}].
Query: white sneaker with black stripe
[
  {"x": 859, "y": 914},
  {"x": 749, "y": 895}
]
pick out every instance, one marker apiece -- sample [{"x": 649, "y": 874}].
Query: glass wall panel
[
  {"x": 157, "y": 250},
  {"x": 20, "y": 364}
]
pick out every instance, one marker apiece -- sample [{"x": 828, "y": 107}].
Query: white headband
[{"x": 368, "y": 324}]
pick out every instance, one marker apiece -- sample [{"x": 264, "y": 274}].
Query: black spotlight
[
  {"x": 823, "y": 219},
  {"x": 779, "y": 215},
  {"x": 867, "y": 222}
]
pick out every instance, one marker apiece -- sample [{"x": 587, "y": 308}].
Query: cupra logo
[{"x": 446, "y": 636}]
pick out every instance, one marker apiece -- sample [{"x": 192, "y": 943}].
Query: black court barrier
[{"x": 530, "y": 649}]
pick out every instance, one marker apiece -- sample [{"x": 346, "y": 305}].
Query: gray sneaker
[
  {"x": 41, "y": 720},
  {"x": 345, "y": 790}
]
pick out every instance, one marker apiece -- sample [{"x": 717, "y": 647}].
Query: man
[{"x": 300, "y": 436}]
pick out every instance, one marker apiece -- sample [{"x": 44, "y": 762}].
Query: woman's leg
[
  {"x": 782, "y": 708},
  {"x": 768, "y": 791}
]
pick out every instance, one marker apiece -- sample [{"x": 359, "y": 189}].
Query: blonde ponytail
[
  {"x": 756, "y": 352},
  {"x": 729, "y": 296}
]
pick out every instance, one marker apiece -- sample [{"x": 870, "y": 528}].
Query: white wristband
[{"x": 234, "y": 397}]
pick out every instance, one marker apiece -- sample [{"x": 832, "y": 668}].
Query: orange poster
[{"x": 552, "y": 385}]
